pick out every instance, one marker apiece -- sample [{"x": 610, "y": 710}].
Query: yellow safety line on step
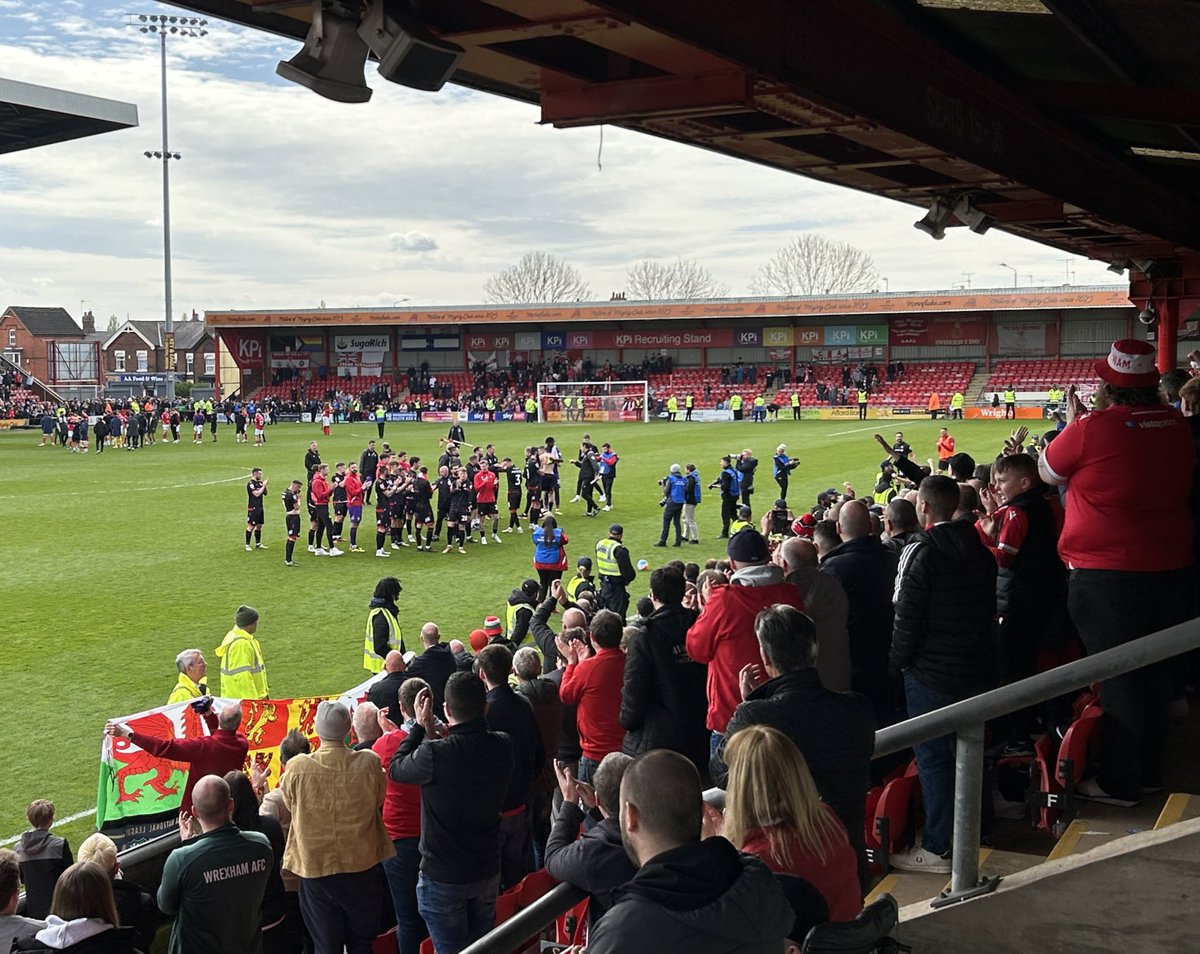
[
  {"x": 984, "y": 854},
  {"x": 1069, "y": 841},
  {"x": 883, "y": 887},
  {"x": 1173, "y": 810}
]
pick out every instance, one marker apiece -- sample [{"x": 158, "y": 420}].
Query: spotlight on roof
[
  {"x": 332, "y": 60},
  {"x": 408, "y": 53},
  {"x": 1148, "y": 315},
  {"x": 935, "y": 220}
]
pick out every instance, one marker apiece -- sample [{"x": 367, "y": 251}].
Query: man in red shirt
[
  {"x": 222, "y": 751},
  {"x": 402, "y": 819},
  {"x": 485, "y": 502},
  {"x": 1127, "y": 541},
  {"x": 318, "y": 495},
  {"x": 723, "y": 635},
  {"x": 945, "y": 449},
  {"x": 593, "y": 682}
]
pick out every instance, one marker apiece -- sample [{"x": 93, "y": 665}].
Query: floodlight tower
[{"x": 177, "y": 27}]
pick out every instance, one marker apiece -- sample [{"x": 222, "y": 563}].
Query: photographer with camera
[
  {"x": 730, "y": 484},
  {"x": 222, "y": 751},
  {"x": 673, "y": 485}
]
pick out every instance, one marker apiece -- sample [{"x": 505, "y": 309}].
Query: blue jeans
[
  {"x": 714, "y": 742},
  {"x": 935, "y": 765},
  {"x": 401, "y": 871},
  {"x": 457, "y": 914}
]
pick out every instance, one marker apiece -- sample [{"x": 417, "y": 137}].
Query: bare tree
[
  {"x": 685, "y": 278},
  {"x": 812, "y": 264},
  {"x": 537, "y": 277},
  {"x": 113, "y": 322}
]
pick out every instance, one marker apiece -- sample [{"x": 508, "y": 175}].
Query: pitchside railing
[{"x": 965, "y": 720}]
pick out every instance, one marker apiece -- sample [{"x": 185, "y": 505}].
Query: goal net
[{"x": 594, "y": 401}]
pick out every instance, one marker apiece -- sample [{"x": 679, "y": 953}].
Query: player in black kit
[
  {"x": 516, "y": 479},
  {"x": 421, "y": 508},
  {"x": 460, "y": 508},
  {"x": 256, "y": 487},
  {"x": 291, "y": 511},
  {"x": 312, "y": 460},
  {"x": 338, "y": 481},
  {"x": 383, "y": 502}
]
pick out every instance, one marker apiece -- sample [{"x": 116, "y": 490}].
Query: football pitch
[{"x": 113, "y": 563}]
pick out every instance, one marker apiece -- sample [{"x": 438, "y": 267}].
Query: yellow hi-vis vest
[
  {"x": 606, "y": 558},
  {"x": 862, "y": 396},
  {"x": 573, "y": 584},
  {"x": 243, "y": 671},
  {"x": 795, "y": 399},
  {"x": 735, "y": 402},
  {"x": 380, "y": 414},
  {"x": 371, "y": 661},
  {"x": 510, "y": 616},
  {"x": 957, "y": 400},
  {"x": 1010, "y": 397}
]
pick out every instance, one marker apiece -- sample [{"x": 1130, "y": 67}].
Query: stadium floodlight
[
  {"x": 936, "y": 219},
  {"x": 332, "y": 60},
  {"x": 977, "y": 221},
  {"x": 408, "y": 53}
]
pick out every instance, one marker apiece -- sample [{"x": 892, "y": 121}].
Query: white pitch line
[
  {"x": 857, "y": 430},
  {"x": 126, "y": 489},
  {"x": 58, "y": 821}
]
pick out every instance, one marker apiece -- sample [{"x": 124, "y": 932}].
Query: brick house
[
  {"x": 28, "y": 337},
  {"x": 138, "y": 347}
]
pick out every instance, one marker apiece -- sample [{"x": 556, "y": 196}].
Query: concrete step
[
  {"x": 1098, "y": 824},
  {"x": 908, "y": 887}
]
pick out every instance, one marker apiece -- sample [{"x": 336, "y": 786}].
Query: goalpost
[{"x": 580, "y": 401}]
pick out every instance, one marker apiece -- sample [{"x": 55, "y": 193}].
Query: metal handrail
[{"x": 966, "y": 720}]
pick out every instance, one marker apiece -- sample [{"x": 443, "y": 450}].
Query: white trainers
[
  {"x": 248, "y": 548},
  {"x": 507, "y": 530},
  {"x": 918, "y": 859},
  {"x": 382, "y": 552},
  {"x": 395, "y": 546},
  {"x": 261, "y": 546},
  {"x": 335, "y": 552},
  {"x": 311, "y": 548},
  {"x": 606, "y": 508},
  {"x": 575, "y": 499},
  {"x": 321, "y": 551},
  {"x": 520, "y": 529},
  {"x": 496, "y": 537},
  {"x": 411, "y": 538},
  {"x": 483, "y": 539}
]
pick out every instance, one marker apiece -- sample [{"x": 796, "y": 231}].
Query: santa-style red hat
[{"x": 1130, "y": 364}]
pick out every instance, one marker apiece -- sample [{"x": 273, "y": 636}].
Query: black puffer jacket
[
  {"x": 945, "y": 606},
  {"x": 663, "y": 699},
  {"x": 703, "y": 898},
  {"x": 1032, "y": 593}
]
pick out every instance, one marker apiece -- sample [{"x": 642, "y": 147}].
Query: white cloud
[{"x": 283, "y": 198}]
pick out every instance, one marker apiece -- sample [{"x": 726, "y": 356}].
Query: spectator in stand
[
  {"x": 337, "y": 853},
  {"x": 687, "y": 895},
  {"x": 825, "y": 603},
  {"x": 867, "y": 571},
  {"x": 293, "y": 744},
  {"x": 834, "y": 731},
  {"x": 519, "y": 609},
  {"x": 385, "y": 693},
  {"x": 542, "y": 696},
  {"x": 463, "y": 780},
  {"x": 899, "y": 524},
  {"x": 723, "y": 635},
  {"x": 13, "y": 925},
  {"x": 942, "y": 648},
  {"x": 663, "y": 700},
  {"x": 592, "y": 682},
  {"x": 135, "y": 908},
  {"x": 222, "y": 751},
  {"x": 42, "y": 856},
  {"x": 83, "y": 917},
  {"x": 214, "y": 882},
  {"x": 539, "y": 624},
  {"x": 511, "y": 714},
  {"x": 596, "y": 862},
  {"x": 435, "y": 664},
  {"x": 1126, "y": 584},
  {"x": 365, "y": 725},
  {"x": 402, "y": 820},
  {"x": 279, "y": 935},
  {"x": 774, "y": 812}
]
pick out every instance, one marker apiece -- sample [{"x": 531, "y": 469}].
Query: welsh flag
[{"x": 139, "y": 794}]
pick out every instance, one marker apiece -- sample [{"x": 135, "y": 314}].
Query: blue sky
[{"x": 283, "y": 199}]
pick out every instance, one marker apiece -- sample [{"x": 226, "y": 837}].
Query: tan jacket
[{"x": 335, "y": 796}]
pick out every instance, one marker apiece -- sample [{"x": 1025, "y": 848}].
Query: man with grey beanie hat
[{"x": 337, "y": 839}]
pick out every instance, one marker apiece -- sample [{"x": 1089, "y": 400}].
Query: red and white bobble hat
[
  {"x": 492, "y": 626},
  {"x": 1130, "y": 364}
]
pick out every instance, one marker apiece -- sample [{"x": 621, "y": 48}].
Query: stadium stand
[{"x": 1039, "y": 374}]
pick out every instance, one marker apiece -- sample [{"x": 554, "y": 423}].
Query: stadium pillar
[{"x": 1168, "y": 333}]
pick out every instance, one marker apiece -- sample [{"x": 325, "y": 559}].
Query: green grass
[{"x": 114, "y": 563}]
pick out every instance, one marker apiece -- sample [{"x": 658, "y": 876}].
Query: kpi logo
[
  {"x": 249, "y": 348},
  {"x": 579, "y": 341},
  {"x": 624, "y": 340},
  {"x": 842, "y": 336},
  {"x": 868, "y": 334},
  {"x": 747, "y": 337},
  {"x": 503, "y": 342},
  {"x": 478, "y": 342},
  {"x": 554, "y": 341}
]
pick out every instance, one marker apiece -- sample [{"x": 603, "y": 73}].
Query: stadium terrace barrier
[{"x": 966, "y": 720}]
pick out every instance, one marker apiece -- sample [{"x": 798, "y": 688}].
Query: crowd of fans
[{"x": 764, "y": 674}]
